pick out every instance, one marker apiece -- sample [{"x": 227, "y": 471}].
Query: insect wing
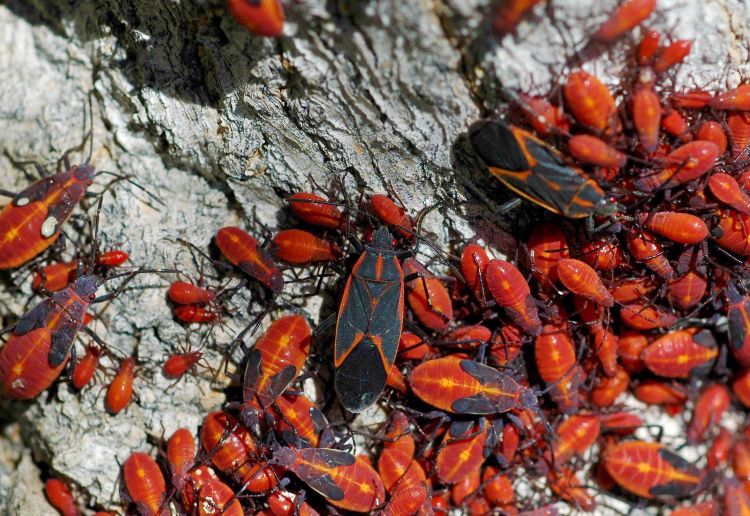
[
  {"x": 478, "y": 404},
  {"x": 34, "y": 318}
]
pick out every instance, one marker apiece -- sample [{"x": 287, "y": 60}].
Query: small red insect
[
  {"x": 144, "y": 484},
  {"x": 739, "y": 325},
  {"x": 113, "y": 258},
  {"x": 547, "y": 245},
  {"x": 678, "y": 354},
  {"x": 684, "y": 164},
  {"x": 655, "y": 392},
  {"x": 712, "y": 131},
  {"x": 196, "y": 314},
  {"x": 300, "y": 420},
  {"x": 675, "y": 124},
  {"x": 509, "y": 14},
  {"x": 687, "y": 291},
  {"x": 602, "y": 255},
  {"x": 713, "y": 401},
  {"x": 555, "y": 359},
  {"x": 736, "y": 99},
  {"x": 682, "y": 228},
  {"x": 261, "y": 17},
  {"x": 606, "y": 348},
  {"x": 510, "y": 290},
  {"x": 317, "y": 210},
  {"x": 582, "y": 280},
  {"x": 299, "y": 247},
  {"x": 428, "y": 298},
  {"x": 184, "y": 293},
  {"x": 60, "y": 497},
  {"x": 543, "y": 116},
  {"x": 235, "y": 453},
  {"x": 214, "y": 499},
  {"x": 693, "y": 99},
  {"x": 726, "y": 189},
  {"x": 650, "y": 470},
  {"x": 738, "y": 125},
  {"x": 243, "y": 252},
  {"x": 460, "y": 455},
  {"x": 590, "y": 101},
  {"x": 630, "y": 290},
  {"x": 593, "y": 151},
  {"x": 644, "y": 248},
  {"x": 741, "y": 387},
  {"x": 55, "y": 277},
  {"x": 575, "y": 436},
  {"x": 498, "y": 489},
  {"x": 675, "y": 53},
  {"x": 732, "y": 231},
  {"x": 608, "y": 389},
  {"x": 628, "y": 14},
  {"x": 474, "y": 260},
  {"x": 390, "y": 213},
  {"x": 647, "y": 47},
  {"x": 120, "y": 391},
  {"x": 566, "y": 484},
  {"x": 178, "y": 364},
  {"x": 86, "y": 367},
  {"x": 718, "y": 453},
  {"x": 646, "y": 113}
]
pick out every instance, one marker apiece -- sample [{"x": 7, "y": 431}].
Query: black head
[
  {"x": 85, "y": 172},
  {"x": 86, "y": 286},
  {"x": 382, "y": 240},
  {"x": 283, "y": 457}
]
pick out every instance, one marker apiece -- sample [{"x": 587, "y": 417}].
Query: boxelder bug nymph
[
  {"x": 650, "y": 470},
  {"x": 261, "y": 17},
  {"x": 536, "y": 171},
  {"x": 143, "y": 484},
  {"x": 369, "y": 324}
]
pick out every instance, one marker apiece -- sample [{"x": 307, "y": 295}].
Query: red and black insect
[
  {"x": 536, "y": 171},
  {"x": 369, "y": 323}
]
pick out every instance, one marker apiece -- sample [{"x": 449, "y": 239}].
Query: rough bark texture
[{"x": 223, "y": 125}]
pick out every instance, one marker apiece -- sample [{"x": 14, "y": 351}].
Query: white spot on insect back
[
  {"x": 23, "y": 201},
  {"x": 18, "y": 384},
  {"x": 49, "y": 226}
]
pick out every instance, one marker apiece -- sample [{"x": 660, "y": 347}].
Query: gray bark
[{"x": 223, "y": 125}]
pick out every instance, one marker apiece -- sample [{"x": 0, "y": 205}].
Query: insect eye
[{"x": 92, "y": 296}]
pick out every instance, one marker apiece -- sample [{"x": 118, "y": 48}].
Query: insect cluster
[{"x": 502, "y": 381}]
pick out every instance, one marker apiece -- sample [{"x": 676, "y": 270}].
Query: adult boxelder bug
[
  {"x": 261, "y": 17},
  {"x": 536, "y": 171},
  {"x": 650, "y": 470},
  {"x": 628, "y": 14},
  {"x": 344, "y": 481},
  {"x": 144, "y": 484},
  {"x": 60, "y": 497},
  {"x": 369, "y": 323}
]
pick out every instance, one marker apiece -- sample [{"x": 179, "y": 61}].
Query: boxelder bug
[
  {"x": 343, "y": 480},
  {"x": 144, "y": 484},
  {"x": 650, "y": 470},
  {"x": 628, "y": 14},
  {"x": 59, "y": 496},
  {"x": 536, "y": 171},
  {"x": 369, "y": 323}
]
